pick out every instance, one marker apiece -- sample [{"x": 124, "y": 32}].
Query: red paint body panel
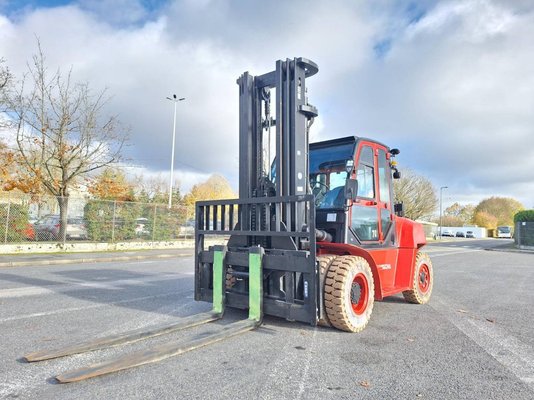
[
  {"x": 392, "y": 267},
  {"x": 341, "y": 249},
  {"x": 409, "y": 233}
]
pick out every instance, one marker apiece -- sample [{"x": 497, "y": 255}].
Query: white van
[{"x": 504, "y": 232}]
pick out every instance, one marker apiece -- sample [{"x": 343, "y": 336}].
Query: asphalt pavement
[
  {"x": 474, "y": 340},
  {"x": 29, "y": 259},
  {"x": 35, "y": 259}
]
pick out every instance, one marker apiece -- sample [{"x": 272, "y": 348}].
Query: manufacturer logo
[{"x": 384, "y": 266}]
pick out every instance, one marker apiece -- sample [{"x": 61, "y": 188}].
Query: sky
[{"x": 449, "y": 83}]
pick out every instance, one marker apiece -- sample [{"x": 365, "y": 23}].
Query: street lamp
[
  {"x": 440, "y": 202},
  {"x": 175, "y": 100}
]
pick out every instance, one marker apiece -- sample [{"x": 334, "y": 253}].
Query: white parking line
[
  {"x": 304, "y": 378},
  {"x": 509, "y": 351},
  {"x": 88, "y": 307},
  {"x": 65, "y": 287},
  {"x": 451, "y": 253}
]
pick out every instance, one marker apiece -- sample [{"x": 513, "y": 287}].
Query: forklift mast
[
  {"x": 275, "y": 210},
  {"x": 292, "y": 118}
]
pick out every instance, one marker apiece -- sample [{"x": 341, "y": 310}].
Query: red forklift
[
  {"x": 332, "y": 239},
  {"x": 314, "y": 236}
]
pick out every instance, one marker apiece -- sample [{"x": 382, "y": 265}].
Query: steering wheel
[{"x": 318, "y": 191}]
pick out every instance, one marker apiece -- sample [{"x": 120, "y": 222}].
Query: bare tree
[
  {"x": 61, "y": 131},
  {"x": 417, "y": 194},
  {"x": 457, "y": 215},
  {"x": 155, "y": 189},
  {"x": 5, "y": 80},
  {"x": 5, "y": 75}
]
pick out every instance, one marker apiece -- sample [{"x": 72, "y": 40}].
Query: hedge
[
  {"x": 167, "y": 224},
  {"x": 18, "y": 225},
  {"x": 111, "y": 220},
  {"x": 524, "y": 216}
]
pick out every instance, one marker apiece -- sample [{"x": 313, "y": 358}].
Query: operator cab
[{"x": 366, "y": 217}]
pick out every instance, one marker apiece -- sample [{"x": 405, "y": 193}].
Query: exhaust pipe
[{"x": 322, "y": 236}]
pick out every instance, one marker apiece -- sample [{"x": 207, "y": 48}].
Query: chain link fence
[
  {"x": 524, "y": 233},
  {"x": 26, "y": 218}
]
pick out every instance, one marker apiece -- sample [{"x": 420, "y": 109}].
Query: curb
[
  {"x": 87, "y": 260},
  {"x": 524, "y": 251}
]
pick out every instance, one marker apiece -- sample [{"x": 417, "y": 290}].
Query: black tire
[
  {"x": 349, "y": 293},
  {"x": 423, "y": 281},
  {"x": 324, "y": 266}
]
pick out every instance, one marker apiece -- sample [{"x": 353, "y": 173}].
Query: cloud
[
  {"x": 456, "y": 90},
  {"x": 449, "y": 83}
]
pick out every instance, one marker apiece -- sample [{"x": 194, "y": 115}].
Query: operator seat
[{"x": 334, "y": 198}]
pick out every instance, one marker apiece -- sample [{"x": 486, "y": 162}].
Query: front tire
[
  {"x": 349, "y": 293},
  {"x": 324, "y": 266},
  {"x": 423, "y": 281}
]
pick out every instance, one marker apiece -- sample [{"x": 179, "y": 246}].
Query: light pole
[
  {"x": 440, "y": 203},
  {"x": 175, "y": 100}
]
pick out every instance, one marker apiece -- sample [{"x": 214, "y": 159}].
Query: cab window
[
  {"x": 383, "y": 176},
  {"x": 364, "y": 222},
  {"x": 365, "y": 173}
]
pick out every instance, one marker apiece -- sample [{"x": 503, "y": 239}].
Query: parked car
[
  {"x": 448, "y": 233},
  {"x": 76, "y": 229},
  {"x": 141, "y": 227},
  {"x": 47, "y": 228},
  {"x": 469, "y": 234},
  {"x": 188, "y": 229},
  {"x": 460, "y": 234}
]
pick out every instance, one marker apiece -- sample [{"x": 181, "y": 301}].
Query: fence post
[
  {"x": 7, "y": 217},
  {"x": 64, "y": 238},
  {"x": 154, "y": 223},
  {"x": 113, "y": 221}
]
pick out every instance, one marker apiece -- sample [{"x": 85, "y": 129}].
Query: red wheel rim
[
  {"x": 359, "y": 294},
  {"x": 424, "y": 278}
]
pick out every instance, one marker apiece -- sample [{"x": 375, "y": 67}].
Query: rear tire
[
  {"x": 324, "y": 266},
  {"x": 423, "y": 281},
  {"x": 349, "y": 293}
]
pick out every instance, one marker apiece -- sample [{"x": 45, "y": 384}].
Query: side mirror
[
  {"x": 398, "y": 209},
  {"x": 351, "y": 189},
  {"x": 396, "y": 175}
]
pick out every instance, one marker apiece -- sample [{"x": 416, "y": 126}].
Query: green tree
[
  {"x": 15, "y": 216},
  {"x": 417, "y": 195},
  {"x": 502, "y": 209},
  {"x": 111, "y": 220}
]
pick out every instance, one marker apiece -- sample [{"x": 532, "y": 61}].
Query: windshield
[
  {"x": 328, "y": 174},
  {"x": 504, "y": 229}
]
